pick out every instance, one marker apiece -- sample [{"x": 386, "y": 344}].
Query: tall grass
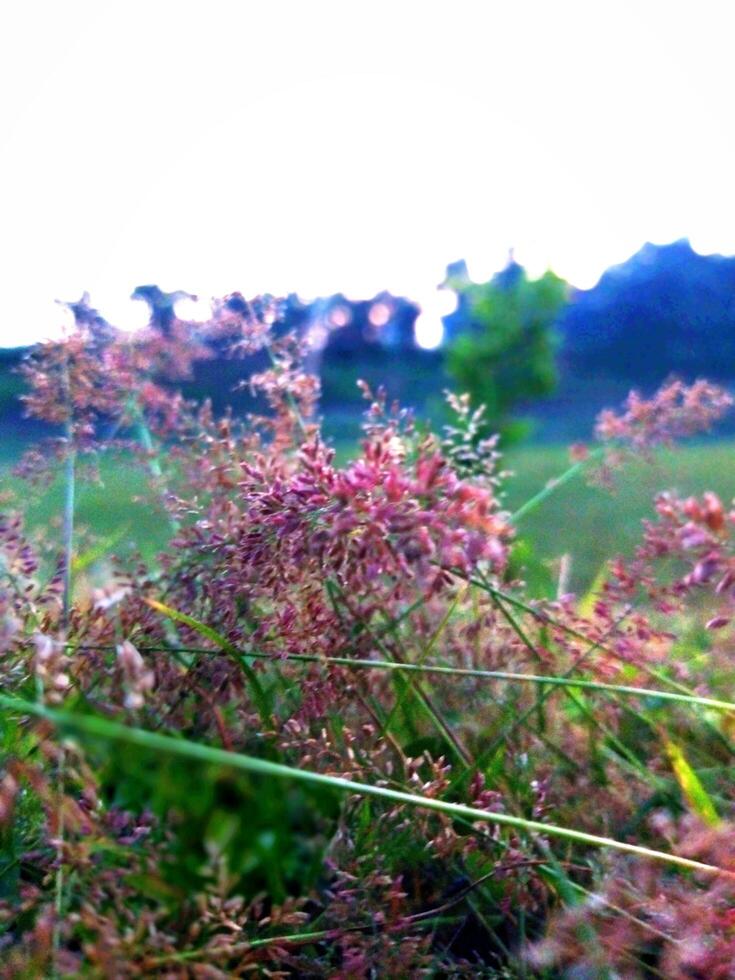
[{"x": 327, "y": 732}]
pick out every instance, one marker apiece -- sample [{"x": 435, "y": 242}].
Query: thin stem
[
  {"x": 154, "y": 465},
  {"x": 227, "y": 951},
  {"x": 545, "y": 618},
  {"x": 98, "y": 727},
  {"x": 59, "y": 882},
  {"x": 68, "y": 521},
  {"x": 545, "y": 694},
  {"x": 289, "y": 396},
  {"x": 496, "y": 675},
  {"x": 553, "y": 485},
  {"x": 68, "y": 553},
  {"x": 424, "y": 654},
  {"x": 422, "y": 695}
]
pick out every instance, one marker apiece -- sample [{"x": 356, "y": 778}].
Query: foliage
[
  {"x": 503, "y": 353},
  {"x": 327, "y": 732},
  {"x": 665, "y": 298}
]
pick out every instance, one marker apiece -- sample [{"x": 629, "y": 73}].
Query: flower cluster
[
  {"x": 358, "y": 621},
  {"x": 641, "y": 916},
  {"x": 676, "y": 410}
]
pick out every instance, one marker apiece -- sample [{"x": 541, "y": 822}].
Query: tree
[{"x": 502, "y": 344}]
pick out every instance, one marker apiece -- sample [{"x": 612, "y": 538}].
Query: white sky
[{"x": 317, "y": 146}]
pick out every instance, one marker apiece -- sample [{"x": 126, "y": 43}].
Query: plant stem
[
  {"x": 59, "y": 882},
  {"x": 102, "y": 728},
  {"x": 68, "y": 521},
  {"x": 553, "y": 485},
  {"x": 289, "y": 396},
  {"x": 496, "y": 675},
  {"x": 154, "y": 465},
  {"x": 68, "y": 551}
]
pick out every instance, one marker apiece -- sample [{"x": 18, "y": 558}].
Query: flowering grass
[
  {"x": 331, "y": 720},
  {"x": 587, "y": 522}
]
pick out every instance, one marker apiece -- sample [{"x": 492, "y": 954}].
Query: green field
[
  {"x": 588, "y": 523},
  {"x": 592, "y": 524}
]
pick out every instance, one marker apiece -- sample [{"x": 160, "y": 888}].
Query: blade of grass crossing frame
[{"x": 102, "y": 728}]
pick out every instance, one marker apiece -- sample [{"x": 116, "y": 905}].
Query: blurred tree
[
  {"x": 667, "y": 309},
  {"x": 160, "y": 304},
  {"x": 502, "y": 345}
]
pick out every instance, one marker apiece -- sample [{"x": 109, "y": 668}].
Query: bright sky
[{"x": 324, "y": 145}]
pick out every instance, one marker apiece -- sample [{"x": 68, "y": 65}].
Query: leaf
[
  {"x": 260, "y": 696},
  {"x": 586, "y": 605},
  {"x": 694, "y": 793},
  {"x": 98, "y": 727},
  {"x": 80, "y": 562}
]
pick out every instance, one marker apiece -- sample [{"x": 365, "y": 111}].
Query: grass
[
  {"x": 121, "y": 508},
  {"x": 589, "y": 523},
  {"x": 102, "y": 728},
  {"x": 592, "y": 524},
  {"x": 414, "y": 703}
]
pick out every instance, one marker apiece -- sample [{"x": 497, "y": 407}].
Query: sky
[{"x": 316, "y": 146}]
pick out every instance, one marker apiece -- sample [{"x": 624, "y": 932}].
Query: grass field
[
  {"x": 588, "y": 523},
  {"x": 592, "y": 524}
]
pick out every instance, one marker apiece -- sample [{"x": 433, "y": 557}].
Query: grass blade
[
  {"x": 259, "y": 695},
  {"x": 553, "y": 680},
  {"x": 691, "y": 787},
  {"x": 102, "y": 728}
]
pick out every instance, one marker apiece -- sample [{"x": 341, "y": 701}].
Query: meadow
[
  {"x": 589, "y": 523},
  {"x": 265, "y": 711}
]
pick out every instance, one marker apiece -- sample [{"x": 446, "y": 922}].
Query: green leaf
[
  {"x": 691, "y": 787},
  {"x": 261, "y": 698},
  {"x": 80, "y": 562},
  {"x": 102, "y": 728}
]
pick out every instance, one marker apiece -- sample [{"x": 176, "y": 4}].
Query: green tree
[{"x": 504, "y": 347}]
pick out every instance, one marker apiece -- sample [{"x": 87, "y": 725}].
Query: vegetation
[
  {"x": 665, "y": 298},
  {"x": 326, "y": 731},
  {"x": 505, "y": 353},
  {"x": 587, "y": 522}
]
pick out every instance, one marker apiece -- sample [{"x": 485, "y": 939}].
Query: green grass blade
[
  {"x": 553, "y": 485},
  {"x": 493, "y": 675},
  {"x": 441, "y": 724},
  {"x": 103, "y": 728},
  {"x": 425, "y": 653},
  {"x": 259, "y": 695},
  {"x": 103, "y": 547},
  {"x": 690, "y": 784}
]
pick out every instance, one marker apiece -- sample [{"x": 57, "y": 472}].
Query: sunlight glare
[
  {"x": 193, "y": 310},
  {"x": 122, "y": 312},
  {"x": 429, "y": 331}
]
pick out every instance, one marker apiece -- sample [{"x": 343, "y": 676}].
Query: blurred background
[{"x": 530, "y": 202}]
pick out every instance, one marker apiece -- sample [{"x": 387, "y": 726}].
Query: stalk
[
  {"x": 102, "y": 728},
  {"x": 289, "y": 396},
  {"x": 553, "y": 485},
  {"x": 68, "y": 546},
  {"x": 154, "y": 465},
  {"x": 68, "y": 522},
  {"x": 493, "y": 675}
]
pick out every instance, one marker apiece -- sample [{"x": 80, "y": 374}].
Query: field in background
[
  {"x": 588, "y": 523},
  {"x": 592, "y": 524}
]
